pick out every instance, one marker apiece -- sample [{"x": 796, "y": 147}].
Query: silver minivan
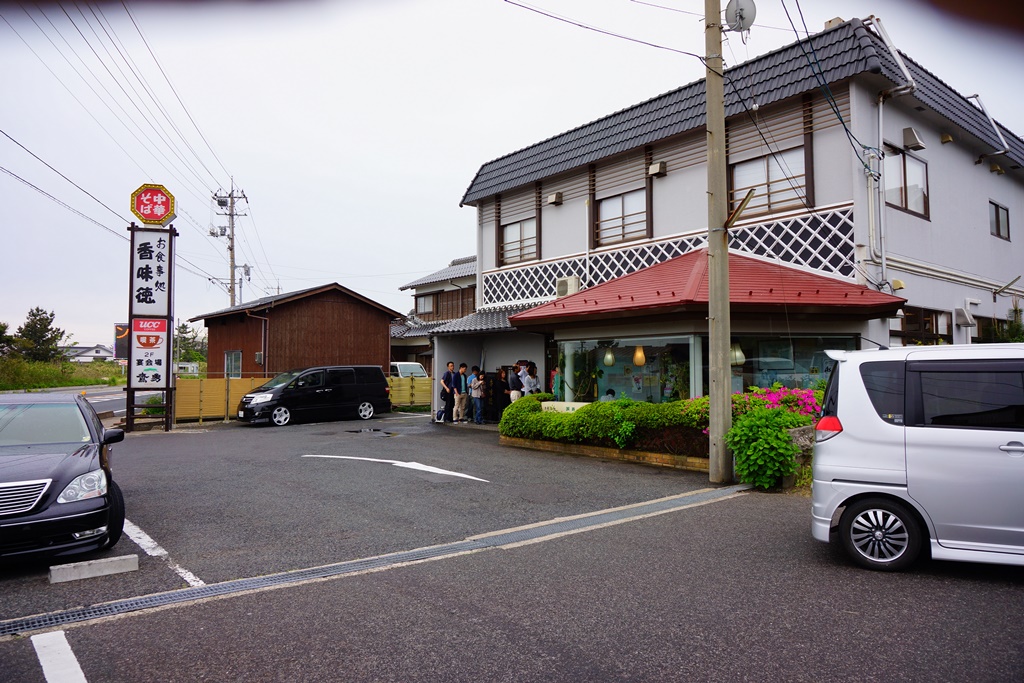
[{"x": 921, "y": 449}]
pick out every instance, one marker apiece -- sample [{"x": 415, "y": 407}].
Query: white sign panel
[
  {"x": 150, "y": 351},
  {"x": 151, "y": 273}
]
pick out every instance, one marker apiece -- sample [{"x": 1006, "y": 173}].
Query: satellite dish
[{"x": 739, "y": 15}]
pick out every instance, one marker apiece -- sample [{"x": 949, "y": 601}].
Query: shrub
[{"x": 761, "y": 444}]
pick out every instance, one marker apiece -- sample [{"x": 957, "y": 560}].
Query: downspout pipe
[
  {"x": 264, "y": 331},
  {"x": 909, "y": 87}
]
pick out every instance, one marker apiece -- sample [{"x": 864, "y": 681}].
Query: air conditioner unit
[{"x": 564, "y": 286}]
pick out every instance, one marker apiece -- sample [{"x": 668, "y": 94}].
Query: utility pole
[
  {"x": 719, "y": 327},
  {"x": 227, "y": 201}
]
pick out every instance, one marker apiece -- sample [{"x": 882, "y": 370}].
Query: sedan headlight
[
  {"x": 90, "y": 485},
  {"x": 260, "y": 398}
]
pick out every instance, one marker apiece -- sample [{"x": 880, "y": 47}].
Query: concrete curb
[{"x": 93, "y": 568}]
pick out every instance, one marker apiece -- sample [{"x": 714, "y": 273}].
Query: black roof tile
[{"x": 847, "y": 50}]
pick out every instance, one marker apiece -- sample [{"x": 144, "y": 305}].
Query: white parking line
[
  {"x": 152, "y": 548},
  {"x": 57, "y": 659}
]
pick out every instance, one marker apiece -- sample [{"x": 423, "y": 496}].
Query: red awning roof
[{"x": 681, "y": 284}]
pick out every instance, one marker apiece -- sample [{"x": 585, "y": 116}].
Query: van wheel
[
  {"x": 281, "y": 416},
  {"x": 880, "y": 534},
  {"x": 365, "y": 410}
]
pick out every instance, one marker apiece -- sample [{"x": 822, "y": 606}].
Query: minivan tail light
[{"x": 827, "y": 427}]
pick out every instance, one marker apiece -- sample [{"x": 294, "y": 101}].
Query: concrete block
[{"x": 92, "y": 568}]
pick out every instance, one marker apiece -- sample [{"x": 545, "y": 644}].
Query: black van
[{"x": 321, "y": 393}]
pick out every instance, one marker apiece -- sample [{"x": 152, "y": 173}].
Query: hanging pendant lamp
[
  {"x": 639, "y": 358},
  {"x": 609, "y": 357}
]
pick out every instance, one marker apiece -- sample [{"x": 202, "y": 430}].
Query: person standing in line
[
  {"x": 556, "y": 383},
  {"x": 502, "y": 394},
  {"x": 461, "y": 393},
  {"x": 448, "y": 391},
  {"x": 524, "y": 369},
  {"x": 476, "y": 388},
  {"x": 515, "y": 385},
  {"x": 531, "y": 385}
]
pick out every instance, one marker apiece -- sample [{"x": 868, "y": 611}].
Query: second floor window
[
  {"x": 999, "y": 220},
  {"x": 906, "y": 182},
  {"x": 778, "y": 181},
  {"x": 425, "y": 304},
  {"x": 519, "y": 241},
  {"x": 622, "y": 218}
]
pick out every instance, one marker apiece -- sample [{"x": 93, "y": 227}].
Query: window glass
[
  {"x": 30, "y": 424},
  {"x": 983, "y": 400},
  {"x": 884, "y": 382},
  {"x": 999, "y": 220},
  {"x": 233, "y": 364},
  {"x": 519, "y": 241},
  {"x": 778, "y": 181},
  {"x": 312, "y": 379},
  {"x": 906, "y": 182},
  {"x": 622, "y": 217},
  {"x": 917, "y": 185},
  {"x": 369, "y": 375},
  {"x": 425, "y": 304}
]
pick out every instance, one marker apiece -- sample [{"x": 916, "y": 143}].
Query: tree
[
  {"x": 38, "y": 339},
  {"x": 191, "y": 347},
  {"x": 6, "y": 341}
]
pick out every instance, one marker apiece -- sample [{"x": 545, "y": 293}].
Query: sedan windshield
[{"x": 39, "y": 423}]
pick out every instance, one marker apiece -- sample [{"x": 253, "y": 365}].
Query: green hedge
[{"x": 759, "y": 438}]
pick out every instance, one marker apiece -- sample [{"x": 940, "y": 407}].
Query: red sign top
[{"x": 153, "y": 204}]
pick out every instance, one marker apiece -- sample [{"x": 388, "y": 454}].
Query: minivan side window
[
  {"x": 337, "y": 376},
  {"x": 986, "y": 399},
  {"x": 369, "y": 375},
  {"x": 311, "y": 379},
  {"x": 884, "y": 381}
]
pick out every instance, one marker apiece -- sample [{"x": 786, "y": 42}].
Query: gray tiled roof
[
  {"x": 481, "y": 321},
  {"x": 460, "y": 267},
  {"x": 412, "y": 327},
  {"x": 842, "y": 52}
]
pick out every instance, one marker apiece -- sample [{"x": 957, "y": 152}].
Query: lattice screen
[{"x": 821, "y": 241}]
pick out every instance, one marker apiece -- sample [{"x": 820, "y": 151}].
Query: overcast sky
[{"x": 353, "y": 127}]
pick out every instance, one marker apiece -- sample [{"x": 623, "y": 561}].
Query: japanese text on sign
[{"x": 150, "y": 273}]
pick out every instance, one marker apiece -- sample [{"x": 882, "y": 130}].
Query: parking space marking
[
  {"x": 57, "y": 659},
  {"x": 152, "y": 548},
  {"x": 399, "y": 463}
]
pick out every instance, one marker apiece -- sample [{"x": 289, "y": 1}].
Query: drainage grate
[{"x": 45, "y": 621}]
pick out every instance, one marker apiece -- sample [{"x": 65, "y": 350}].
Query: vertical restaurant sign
[
  {"x": 150, "y": 348},
  {"x": 150, "y": 290}
]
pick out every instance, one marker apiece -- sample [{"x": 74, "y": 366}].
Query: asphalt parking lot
[{"x": 720, "y": 585}]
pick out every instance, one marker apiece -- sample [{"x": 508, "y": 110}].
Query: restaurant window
[
  {"x": 906, "y": 182},
  {"x": 999, "y": 220},
  {"x": 622, "y": 217},
  {"x": 779, "y": 182},
  {"x": 519, "y": 241}
]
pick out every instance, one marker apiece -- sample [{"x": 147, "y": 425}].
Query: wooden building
[{"x": 326, "y": 325}]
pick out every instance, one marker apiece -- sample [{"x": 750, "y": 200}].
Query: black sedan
[{"x": 57, "y": 495}]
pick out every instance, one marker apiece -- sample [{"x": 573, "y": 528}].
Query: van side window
[
  {"x": 982, "y": 400},
  {"x": 884, "y": 381},
  {"x": 369, "y": 375},
  {"x": 312, "y": 379},
  {"x": 338, "y": 376}
]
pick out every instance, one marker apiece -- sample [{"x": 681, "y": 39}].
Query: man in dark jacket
[
  {"x": 515, "y": 383},
  {"x": 448, "y": 387}
]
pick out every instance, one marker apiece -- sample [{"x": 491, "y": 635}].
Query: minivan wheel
[
  {"x": 281, "y": 416},
  {"x": 366, "y": 410},
  {"x": 880, "y": 534}
]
